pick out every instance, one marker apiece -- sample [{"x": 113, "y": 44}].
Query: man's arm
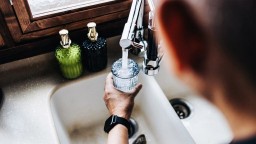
[
  {"x": 118, "y": 135},
  {"x": 120, "y": 104}
]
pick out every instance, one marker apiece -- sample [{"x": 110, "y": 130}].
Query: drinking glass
[{"x": 125, "y": 79}]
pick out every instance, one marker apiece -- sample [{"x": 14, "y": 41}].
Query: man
[{"x": 211, "y": 46}]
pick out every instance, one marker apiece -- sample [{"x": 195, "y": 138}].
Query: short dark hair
[{"x": 234, "y": 27}]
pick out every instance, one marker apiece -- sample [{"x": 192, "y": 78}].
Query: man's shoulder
[{"x": 251, "y": 140}]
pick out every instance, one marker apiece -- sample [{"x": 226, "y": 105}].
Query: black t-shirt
[{"x": 251, "y": 140}]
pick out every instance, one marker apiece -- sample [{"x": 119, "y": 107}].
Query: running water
[
  {"x": 124, "y": 71},
  {"x": 124, "y": 58}
]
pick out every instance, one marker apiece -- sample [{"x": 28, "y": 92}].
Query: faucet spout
[
  {"x": 129, "y": 28},
  {"x": 133, "y": 37}
]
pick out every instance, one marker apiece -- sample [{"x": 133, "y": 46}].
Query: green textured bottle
[{"x": 69, "y": 57}]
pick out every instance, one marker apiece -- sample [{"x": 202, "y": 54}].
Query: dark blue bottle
[{"x": 94, "y": 50}]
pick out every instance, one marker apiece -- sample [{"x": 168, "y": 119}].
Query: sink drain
[
  {"x": 181, "y": 107},
  {"x": 134, "y": 127}
]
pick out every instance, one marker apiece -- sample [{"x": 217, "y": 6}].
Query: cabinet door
[{"x": 26, "y": 22}]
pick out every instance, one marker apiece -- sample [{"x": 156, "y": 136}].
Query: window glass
[{"x": 45, "y": 7}]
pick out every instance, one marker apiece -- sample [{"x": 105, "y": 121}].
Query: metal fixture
[
  {"x": 134, "y": 127},
  {"x": 141, "y": 139},
  {"x": 11, "y": 2},
  {"x": 181, "y": 107},
  {"x": 133, "y": 33}
]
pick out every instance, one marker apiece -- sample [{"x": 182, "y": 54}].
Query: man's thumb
[{"x": 137, "y": 89}]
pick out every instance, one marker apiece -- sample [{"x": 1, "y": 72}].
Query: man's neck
[
  {"x": 233, "y": 94},
  {"x": 242, "y": 124}
]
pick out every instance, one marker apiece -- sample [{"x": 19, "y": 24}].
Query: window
[{"x": 40, "y": 8}]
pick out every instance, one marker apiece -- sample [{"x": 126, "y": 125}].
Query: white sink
[
  {"x": 79, "y": 113},
  {"x": 206, "y": 124}
]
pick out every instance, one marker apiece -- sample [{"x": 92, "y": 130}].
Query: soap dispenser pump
[
  {"x": 69, "y": 56},
  {"x": 94, "y": 50}
]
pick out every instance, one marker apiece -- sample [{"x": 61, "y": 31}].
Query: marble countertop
[{"x": 27, "y": 85}]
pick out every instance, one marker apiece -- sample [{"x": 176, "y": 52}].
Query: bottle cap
[
  {"x": 92, "y": 34},
  {"x": 65, "y": 40}
]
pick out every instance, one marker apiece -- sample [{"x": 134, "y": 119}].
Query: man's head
[{"x": 212, "y": 44}]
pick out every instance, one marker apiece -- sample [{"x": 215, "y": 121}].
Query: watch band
[{"x": 113, "y": 120}]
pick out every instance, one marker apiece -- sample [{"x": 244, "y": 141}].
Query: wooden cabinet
[
  {"x": 5, "y": 37},
  {"x": 1, "y": 41}
]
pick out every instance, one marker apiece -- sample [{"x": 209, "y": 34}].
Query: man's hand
[{"x": 117, "y": 102}]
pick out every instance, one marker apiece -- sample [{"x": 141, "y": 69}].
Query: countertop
[{"x": 25, "y": 116}]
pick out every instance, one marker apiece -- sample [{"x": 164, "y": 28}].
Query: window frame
[{"x": 30, "y": 24}]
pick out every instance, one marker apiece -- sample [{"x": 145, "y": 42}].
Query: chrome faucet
[{"x": 133, "y": 37}]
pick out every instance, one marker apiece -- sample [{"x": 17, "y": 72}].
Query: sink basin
[
  {"x": 79, "y": 113},
  {"x": 206, "y": 124}
]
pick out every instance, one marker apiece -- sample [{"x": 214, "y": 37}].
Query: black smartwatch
[{"x": 113, "y": 120}]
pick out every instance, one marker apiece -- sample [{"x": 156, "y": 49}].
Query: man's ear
[{"x": 183, "y": 36}]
